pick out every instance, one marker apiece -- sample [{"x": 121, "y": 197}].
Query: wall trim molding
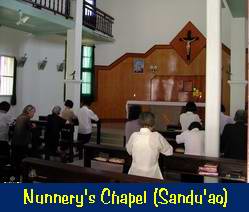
[
  {"x": 126, "y": 55},
  {"x": 226, "y": 49},
  {"x": 144, "y": 55}
]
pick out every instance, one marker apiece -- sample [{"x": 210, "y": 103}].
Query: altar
[{"x": 166, "y": 113}]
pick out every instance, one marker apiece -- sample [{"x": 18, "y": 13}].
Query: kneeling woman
[{"x": 145, "y": 147}]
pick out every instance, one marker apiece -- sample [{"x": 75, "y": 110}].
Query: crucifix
[
  {"x": 73, "y": 75},
  {"x": 188, "y": 40}
]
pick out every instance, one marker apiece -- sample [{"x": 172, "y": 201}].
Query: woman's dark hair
[
  {"x": 4, "y": 106},
  {"x": 240, "y": 116},
  {"x": 134, "y": 112},
  {"x": 191, "y": 107},
  {"x": 69, "y": 103},
  {"x": 183, "y": 109},
  {"x": 222, "y": 108},
  {"x": 195, "y": 125}
]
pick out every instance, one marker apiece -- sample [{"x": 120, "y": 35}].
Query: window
[
  {"x": 6, "y": 75},
  {"x": 87, "y": 72},
  {"x": 89, "y": 11},
  {"x": 89, "y": 14},
  {"x": 92, "y": 2},
  {"x": 86, "y": 85}
]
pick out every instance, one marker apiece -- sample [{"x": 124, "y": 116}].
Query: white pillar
[
  {"x": 238, "y": 65},
  {"x": 213, "y": 78},
  {"x": 74, "y": 41}
]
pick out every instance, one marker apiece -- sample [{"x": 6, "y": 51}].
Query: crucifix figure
[
  {"x": 188, "y": 40},
  {"x": 73, "y": 75}
]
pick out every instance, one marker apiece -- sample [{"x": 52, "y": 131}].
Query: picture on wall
[{"x": 138, "y": 65}]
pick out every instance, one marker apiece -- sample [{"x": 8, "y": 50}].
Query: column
[
  {"x": 74, "y": 41},
  {"x": 213, "y": 78},
  {"x": 238, "y": 65}
]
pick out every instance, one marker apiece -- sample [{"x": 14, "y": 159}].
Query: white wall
[
  {"x": 226, "y": 20},
  {"x": 10, "y": 44},
  {"x": 238, "y": 65},
  {"x": 140, "y": 24},
  {"x": 42, "y": 88}
]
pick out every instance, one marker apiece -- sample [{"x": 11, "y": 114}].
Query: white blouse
[
  {"x": 187, "y": 118},
  {"x": 5, "y": 120},
  {"x": 85, "y": 115},
  {"x": 193, "y": 141},
  {"x": 145, "y": 147},
  {"x": 224, "y": 120}
]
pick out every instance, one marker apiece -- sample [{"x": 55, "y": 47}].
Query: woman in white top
[
  {"x": 85, "y": 117},
  {"x": 145, "y": 147},
  {"x": 5, "y": 120},
  {"x": 193, "y": 139},
  {"x": 189, "y": 116}
]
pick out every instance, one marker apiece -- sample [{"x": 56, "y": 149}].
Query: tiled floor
[
  {"x": 111, "y": 134},
  {"x": 113, "y": 128}
]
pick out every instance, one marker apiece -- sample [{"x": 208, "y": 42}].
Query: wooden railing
[
  {"x": 93, "y": 17},
  {"x": 96, "y": 19},
  {"x": 61, "y": 7}
]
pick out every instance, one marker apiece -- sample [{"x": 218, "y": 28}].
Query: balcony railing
[
  {"x": 61, "y": 7},
  {"x": 96, "y": 19},
  {"x": 93, "y": 17}
]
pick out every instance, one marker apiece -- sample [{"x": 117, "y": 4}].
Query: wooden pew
[
  {"x": 55, "y": 172},
  {"x": 178, "y": 163},
  {"x": 170, "y": 136},
  {"x": 42, "y": 124},
  {"x": 189, "y": 164},
  {"x": 98, "y": 123},
  {"x": 67, "y": 134},
  {"x": 93, "y": 150}
]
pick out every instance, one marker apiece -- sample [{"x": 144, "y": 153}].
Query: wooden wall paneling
[
  {"x": 118, "y": 83},
  {"x": 170, "y": 63},
  {"x": 178, "y": 88},
  {"x": 225, "y": 87}
]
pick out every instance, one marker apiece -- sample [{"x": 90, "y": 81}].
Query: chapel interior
[{"x": 116, "y": 54}]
